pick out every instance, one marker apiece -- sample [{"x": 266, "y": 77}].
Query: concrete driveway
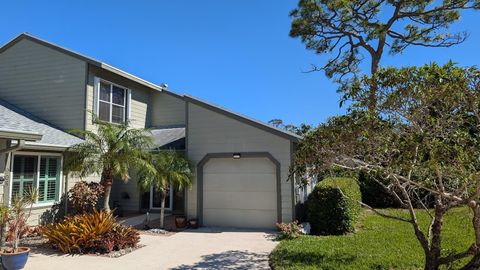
[{"x": 205, "y": 248}]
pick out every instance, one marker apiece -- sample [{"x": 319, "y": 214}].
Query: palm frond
[{"x": 170, "y": 169}]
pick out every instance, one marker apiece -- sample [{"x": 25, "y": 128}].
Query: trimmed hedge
[
  {"x": 374, "y": 194},
  {"x": 331, "y": 213}
]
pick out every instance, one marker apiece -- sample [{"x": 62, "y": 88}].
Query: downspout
[{"x": 65, "y": 194}]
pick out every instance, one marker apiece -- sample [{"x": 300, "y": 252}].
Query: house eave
[
  {"x": 20, "y": 135},
  {"x": 44, "y": 147}
]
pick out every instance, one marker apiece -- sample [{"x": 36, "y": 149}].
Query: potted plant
[
  {"x": 180, "y": 221},
  {"x": 16, "y": 218},
  {"x": 193, "y": 223}
]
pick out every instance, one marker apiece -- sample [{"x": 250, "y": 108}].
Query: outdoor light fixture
[{"x": 237, "y": 155}]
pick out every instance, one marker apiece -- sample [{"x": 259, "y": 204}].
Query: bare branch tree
[{"x": 423, "y": 138}]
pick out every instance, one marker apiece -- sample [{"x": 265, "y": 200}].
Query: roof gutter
[
  {"x": 18, "y": 146},
  {"x": 46, "y": 147},
  {"x": 20, "y": 135}
]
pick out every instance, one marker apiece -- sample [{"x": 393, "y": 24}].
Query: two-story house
[{"x": 241, "y": 165}]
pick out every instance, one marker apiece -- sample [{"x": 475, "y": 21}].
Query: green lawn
[{"x": 379, "y": 243}]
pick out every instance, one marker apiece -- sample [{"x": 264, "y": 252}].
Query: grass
[{"x": 379, "y": 243}]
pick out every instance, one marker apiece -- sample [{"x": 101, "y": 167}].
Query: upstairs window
[{"x": 112, "y": 102}]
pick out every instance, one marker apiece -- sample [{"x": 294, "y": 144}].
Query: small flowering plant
[{"x": 289, "y": 230}]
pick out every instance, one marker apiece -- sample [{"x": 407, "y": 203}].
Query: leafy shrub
[
  {"x": 120, "y": 237},
  {"x": 374, "y": 194},
  {"x": 83, "y": 196},
  {"x": 90, "y": 233},
  {"x": 333, "y": 206},
  {"x": 289, "y": 230}
]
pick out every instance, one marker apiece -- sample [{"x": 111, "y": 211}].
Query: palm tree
[
  {"x": 110, "y": 152},
  {"x": 171, "y": 170}
]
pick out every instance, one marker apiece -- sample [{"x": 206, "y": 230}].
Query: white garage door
[{"x": 239, "y": 193}]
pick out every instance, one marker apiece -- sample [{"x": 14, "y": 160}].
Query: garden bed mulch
[
  {"x": 153, "y": 227},
  {"x": 40, "y": 245}
]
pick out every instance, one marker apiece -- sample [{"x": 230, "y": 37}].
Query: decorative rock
[
  {"x": 158, "y": 231},
  {"x": 306, "y": 228}
]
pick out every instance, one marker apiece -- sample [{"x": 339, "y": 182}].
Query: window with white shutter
[
  {"x": 38, "y": 172},
  {"x": 24, "y": 175},
  {"x": 49, "y": 179}
]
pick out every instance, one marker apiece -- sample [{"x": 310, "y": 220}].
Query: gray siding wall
[
  {"x": 140, "y": 103},
  {"x": 211, "y": 132},
  {"x": 167, "y": 110},
  {"x": 140, "y": 111},
  {"x": 44, "y": 82},
  {"x": 120, "y": 188}
]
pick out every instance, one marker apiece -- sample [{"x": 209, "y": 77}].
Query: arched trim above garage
[{"x": 234, "y": 155}]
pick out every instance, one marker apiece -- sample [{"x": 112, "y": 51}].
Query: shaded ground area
[
  {"x": 205, "y": 248},
  {"x": 232, "y": 259}
]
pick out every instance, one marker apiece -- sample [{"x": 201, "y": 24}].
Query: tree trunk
[
  {"x": 372, "y": 102},
  {"x": 106, "y": 198},
  {"x": 3, "y": 234},
  {"x": 162, "y": 210},
  {"x": 432, "y": 259},
  {"x": 431, "y": 264},
  {"x": 107, "y": 181},
  {"x": 473, "y": 264}
]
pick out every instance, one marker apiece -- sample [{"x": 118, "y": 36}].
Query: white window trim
[
  {"x": 38, "y": 155},
  {"x": 127, "y": 96}
]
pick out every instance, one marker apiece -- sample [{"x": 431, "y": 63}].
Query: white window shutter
[
  {"x": 129, "y": 104},
  {"x": 96, "y": 93}
]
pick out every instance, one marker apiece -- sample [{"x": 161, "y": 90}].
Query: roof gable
[
  {"x": 245, "y": 119},
  {"x": 89, "y": 60}
]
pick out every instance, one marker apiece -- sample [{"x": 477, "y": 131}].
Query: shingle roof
[
  {"x": 163, "y": 136},
  {"x": 15, "y": 119}
]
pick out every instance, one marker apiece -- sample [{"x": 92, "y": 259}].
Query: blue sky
[{"x": 233, "y": 53}]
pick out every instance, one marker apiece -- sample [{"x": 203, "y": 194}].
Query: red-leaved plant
[
  {"x": 289, "y": 230},
  {"x": 83, "y": 196},
  {"x": 17, "y": 219}
]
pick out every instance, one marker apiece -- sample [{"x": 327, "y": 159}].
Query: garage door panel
[
  {"x": 240, "y": 182},
  {"x": 239, "y": 193},
  {"x": 229, "y": 165},
  {"x": 240, "y": 200},
  {"x": 239, "y": 218}
]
